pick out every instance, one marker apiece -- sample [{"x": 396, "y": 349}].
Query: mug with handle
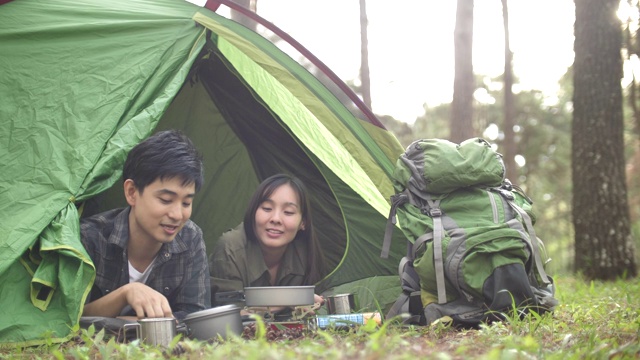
[{"x": 154, "y": 331}]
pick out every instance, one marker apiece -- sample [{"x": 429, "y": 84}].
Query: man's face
[{"x": 160, "y": 211}]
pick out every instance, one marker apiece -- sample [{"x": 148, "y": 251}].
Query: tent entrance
[{"x": 242, "y": 143}]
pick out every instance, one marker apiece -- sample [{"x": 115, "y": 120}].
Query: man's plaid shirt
[{"x": 180, "y": 271}]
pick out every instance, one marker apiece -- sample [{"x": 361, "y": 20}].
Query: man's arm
[
  {"x": 194, "y": 293},
  {"x": 144, "y": 301}
]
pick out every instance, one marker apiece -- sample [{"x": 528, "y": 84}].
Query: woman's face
[{"x": 279, "y": 218}]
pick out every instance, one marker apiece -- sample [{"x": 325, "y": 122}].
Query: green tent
[{"x": 82, "y": 82}]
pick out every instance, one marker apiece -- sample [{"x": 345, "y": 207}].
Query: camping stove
[
  {"x": 297, "y": 318},
  {"x": 298, "y": 313}
]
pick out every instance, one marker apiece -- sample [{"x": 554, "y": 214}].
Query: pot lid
[
  {"x": 218, "y": 310},
  {"x": 293, "y": 288}
]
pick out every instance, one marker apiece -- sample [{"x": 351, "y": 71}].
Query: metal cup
[
  {"x": 341, "y": 304},
  {"x": 154, "y": 331}
]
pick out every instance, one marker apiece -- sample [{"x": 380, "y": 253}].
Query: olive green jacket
[{"x": 237, "y": 263}]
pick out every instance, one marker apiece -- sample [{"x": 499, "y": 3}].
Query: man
[{"x": 150, "y": 258}]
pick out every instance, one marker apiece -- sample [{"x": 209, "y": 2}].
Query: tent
[{"x": 82, "y": 82}]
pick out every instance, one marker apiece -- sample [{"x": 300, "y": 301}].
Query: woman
[{"x": 276, "y": 244}]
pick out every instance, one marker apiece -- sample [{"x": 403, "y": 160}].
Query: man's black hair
[{"x": 165, "y": 155}]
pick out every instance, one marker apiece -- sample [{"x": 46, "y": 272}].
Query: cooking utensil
[
  {"x": 208, "y": 324},
  {"x": 341, "y": 304},
  {"x": 154, "y": 331},
  {"x": 228, "y": 297},
  {"x": 279, "y": 295}
]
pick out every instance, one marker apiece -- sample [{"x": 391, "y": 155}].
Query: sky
[{"x": 411, "y": 54}]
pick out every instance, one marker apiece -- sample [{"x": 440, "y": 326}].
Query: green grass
[{"x": 595, "y": 320}]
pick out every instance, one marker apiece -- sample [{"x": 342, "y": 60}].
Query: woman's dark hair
[
  {"x": 165, "y": 155},
  {"x": 315, "y": 258}
]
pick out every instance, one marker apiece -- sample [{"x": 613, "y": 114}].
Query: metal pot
[
  {"x": 341, "y": 304},
  {"x": 218, "y": 321},
  {"x": 279, "y": 295}
]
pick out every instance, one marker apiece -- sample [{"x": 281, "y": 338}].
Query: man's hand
[{"x": 145, "y": 301}]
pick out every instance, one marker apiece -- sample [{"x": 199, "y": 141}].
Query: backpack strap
[
  {"x": 410, "y": 283},
  {"x": 436, "y": 214},
  {"x": 419, "y": 242},
  {"x": 410, "y": 287},
  {"x": 396, "y": 200},
  {"x": 533, "y": 239},
  {"x": 534, "y": 242}
]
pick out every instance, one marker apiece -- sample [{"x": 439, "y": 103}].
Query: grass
[{"x": 595, "y": 320}]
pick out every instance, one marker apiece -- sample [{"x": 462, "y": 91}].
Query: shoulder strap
[
  {"x": 533, "y": 239},
  {"x": 410, "y": 283},
  {"x": 410, "y": 287},
  {"x": 534, "y": 242},
  {"x": 396, "y": 200},
  {"x": 436, "y": 214}
]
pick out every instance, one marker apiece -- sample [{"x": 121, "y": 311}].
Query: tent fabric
[{"x": 84, "y": 81}]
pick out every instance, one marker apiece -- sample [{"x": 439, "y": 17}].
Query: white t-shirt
[{"x": 137, "y": 276}]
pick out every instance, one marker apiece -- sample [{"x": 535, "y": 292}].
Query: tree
[
  {"x": 632, "y": 47},
  {"x": 509, "y": 106},
  {"x": 365, "y": 79},
  {"x": 244, "y": 20},
  {"x": 604, "y": 248},
  {"x": 461, "y": 126}
]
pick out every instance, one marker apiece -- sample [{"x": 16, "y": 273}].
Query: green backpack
[{"x": 472, "y": 255}]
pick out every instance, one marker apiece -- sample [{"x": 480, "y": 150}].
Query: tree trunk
[
  {"x": 238, "y": 17},
  {"x": 604, "y": 248},
  {"x": 633, "y": 86},
  {"x": 461, "y": 126},
  {"x": 633, "y": 181},
  {"x": 509, "y": 106},
  {"x": 365, "y": 78}
]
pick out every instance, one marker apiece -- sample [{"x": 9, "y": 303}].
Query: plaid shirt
[{"x": 180, "y": 271}]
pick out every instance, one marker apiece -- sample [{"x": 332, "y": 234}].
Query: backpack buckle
[
  {"x": 435, "y": 212},
  {"x": 507, "y": 184},
  {"x": 507, "y": 194}
]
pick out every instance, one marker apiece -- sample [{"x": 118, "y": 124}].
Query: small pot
[
  {"x": 341, "y": 304},
  {"x": 218, "y": 321},
  {"x": 279, "y": 295}
]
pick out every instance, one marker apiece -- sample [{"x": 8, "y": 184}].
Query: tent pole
[{"x": 213, "y": 6}]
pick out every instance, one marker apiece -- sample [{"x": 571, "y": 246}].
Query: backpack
[{"x": 473, "y": 255}]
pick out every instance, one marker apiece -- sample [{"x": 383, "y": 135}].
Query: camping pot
[
  {"x": 279, "y": 295},
  {"x": 208, "y": 324},
  {"x": 154, "y": 331},
  {"x": 341, "y": 304}
]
